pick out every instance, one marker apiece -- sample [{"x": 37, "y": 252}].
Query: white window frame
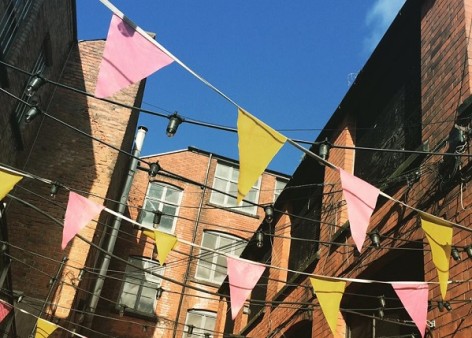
[
  {"x": 230, "y": 183},
  {"x": 279, "y": 187},
  {"x": 211, "y": 266},
  {"x": 202, "y": 327},
  {"x": 135, "y": 282},
  {"x": 159, "y": 203}
]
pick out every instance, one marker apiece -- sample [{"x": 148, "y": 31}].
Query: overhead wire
[
  {"x": 373, "y": 149},
  {"x": 294, "y": 238},
  {"x": 215, "y": 126}
]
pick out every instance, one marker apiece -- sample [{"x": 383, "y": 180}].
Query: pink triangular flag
[
  {"x": 414, "y": 297},
  {"x": 242, "y": 276},
  {"x": 79, "y": 212},
  {"x": 5, "y": 309},
  {"x": 128, "y": 58},
  {"x": 361, "y": 198}
]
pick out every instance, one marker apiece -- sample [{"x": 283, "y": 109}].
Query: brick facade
[
  {"x": 196, "y": 214},
  {"x": 417, "y": 76},
  {"x": 53, "y": 150}
]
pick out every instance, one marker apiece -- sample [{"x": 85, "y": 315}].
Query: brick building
[
  {"x": 191, "y": 191},
  {"x": 39, "y": 37},
  {"x": 414, "y": 94}
]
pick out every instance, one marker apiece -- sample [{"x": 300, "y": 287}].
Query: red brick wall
[
  {"x": 192, "y": 165},
  {"x": 62, "y": 154},
  {"x": 445, "y": 83}
]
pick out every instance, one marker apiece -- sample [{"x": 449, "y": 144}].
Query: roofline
[{"x": 221, "y": 157}]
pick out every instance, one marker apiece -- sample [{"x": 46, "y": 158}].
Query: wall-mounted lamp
[
  {"x": 455, "y": 253},
  {"x": 154, "y": 168},
  {"x": 246, "y": 310},
  {"x": 32, "y": 113},
  {"x": 35, "y": 83},
  {"x": 441, "y": 306},
  {"x": 269, "y": 213},
  {"x": 54, "y": 189},
  {"x": 174, "y": 121},
  {"x": 51, "y": 282},
  {"x": 430, "y": 305},
  {"x": 375, "y": 238},
  {"x": 448, "y": 306},
  {"x": 468, "y": 250},
  {"x": 323, "y": 150},
  {"x": 190, "y": 329},
  {"x": 159, "y": 292},
  {"x": 382, "y": 301},
  {"x": 122, "y": 310},
  {"x": 381, "y": 313},
  {"x": 81, "y": 274},
  {"x": 309, "y": 311},
  {"x": 157, "y": 218},
  {"x": 259, "y": 239}
]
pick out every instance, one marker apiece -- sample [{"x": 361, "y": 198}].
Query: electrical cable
[{"x": 224, "y": 128}]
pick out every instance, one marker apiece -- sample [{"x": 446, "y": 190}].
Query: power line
[{"x": 220, "y": 127}]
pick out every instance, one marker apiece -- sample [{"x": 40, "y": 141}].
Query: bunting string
[
  {"x": 120, "y": 14},
  {"x": 266, "y": 265}
]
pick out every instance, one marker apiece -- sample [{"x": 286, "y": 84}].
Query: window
[
  {"x": 13, "y": 13},
  {"x": 165, "y": 198},
  {"x": 140, "y": 288},
  {"x": 226, "y": 179},
  {"x": 279, "y": 186},
  {"x": 211, "y": 266},
  {"x": 198, "y": 323}
]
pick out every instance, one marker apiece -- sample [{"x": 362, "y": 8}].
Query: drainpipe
[
  {"x": 194, "y": 236},
  {"x": 97, "y": 290}
]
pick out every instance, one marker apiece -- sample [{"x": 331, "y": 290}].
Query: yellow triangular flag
[
  {"x": 439, "y": 234},
  {"x": 150, "y": 233},
  {"x": 258, "y": 144},
  {"x": 329, "y": 294},
  {"x": 44, "y": 328},
  {"x": 165, "y": 243},
  {"x": 7, "y": 182}
]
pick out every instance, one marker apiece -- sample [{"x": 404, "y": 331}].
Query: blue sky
[{"x": 289, "y": 63}]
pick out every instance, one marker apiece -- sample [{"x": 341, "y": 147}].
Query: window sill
[
  {"x": 137, "y": 314},
  {"x": 205, "y": 282},
  {"x": 234, "y": 210}
]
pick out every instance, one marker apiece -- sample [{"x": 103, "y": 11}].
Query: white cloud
[{"x": 378, "y": 18}]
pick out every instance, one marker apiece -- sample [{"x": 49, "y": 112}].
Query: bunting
[
  {"x": 128, "y": 58},
  {"x": 361, "y": 198},
  {"x": 258, "y": 144},
  {"x": 164, "y": 242},
  {"x": 80, "y": 211},
  {"x": 7, "y": 182},
  {"x": 414, "y": 297},
  {"x": 329, "y": 294},
  {"x": 242, "y": 276},
  {"x": 5, "y": 309},
  {"x": 44, "y": 328},
  {"x": 439, "y": 234}
]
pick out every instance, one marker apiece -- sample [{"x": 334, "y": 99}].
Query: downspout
[
  {"x": 97, "y": 290},
  {"x": 194, "y": 236}
]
